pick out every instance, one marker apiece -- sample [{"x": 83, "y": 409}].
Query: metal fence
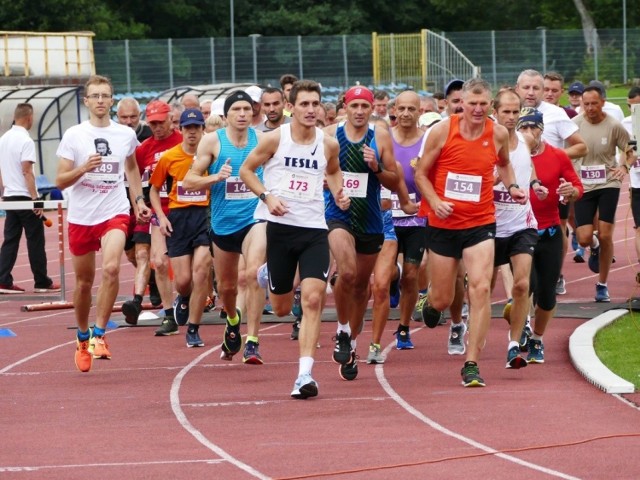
[{"x": 342, "y": 60}]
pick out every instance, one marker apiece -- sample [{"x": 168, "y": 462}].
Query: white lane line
[
  {"x": 197, "y": 434},
  {"x": 35, "y": 468},
  {"x": 436, "y": 426}
]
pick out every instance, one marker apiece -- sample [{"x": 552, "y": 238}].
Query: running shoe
[
  {"x": 536, "y": 351},
  {"x": 100, "y": 347},
  {"x": 456, "y": 339},
  {"x": 296, "y": 309},
  {"x": 83, "y": 358},
  {"x": 53, "y": 288},
  {"x": 375, "y": 355},
  {"x": 506, "y": 311},
  {"x": 154, "y": 293},
  {"x": 430, "y": 316},
  {"x": 349, "y": 370},
  {"x": 443, "y": 319},
  {"x": 579, "y": 256},
  {"x": 525, "y": 336},
  {"x": 193, "y": 338},
  {"x": 403, "y": 340},
  {"x": 561, "y": 286},
  {"x": 305, "y": 387},
  {"x": 11, "y": 289},
  {"x": 394, "y": 289},
  {"x": 419, "y": 304},
  {"x": 131, "y": 311},
  {"x": 602, "y": 294},
  {"x": 594, "y": 260},
  {"x": 251, "y": 354},
  {"x": 465, "y": 311},
  {"x": 263, "y": 276},
  {"x": 574, "y": 242},
  {"x": 209, "y": 304},
  {"x": 167, "y": 327},
  {"x": 342, "y": 350},
  {"x": 295, "y": 329},
  {"x": 181, "y": 310},
  {"x": 232, "y": 341},
  {"x": 514, "y": 359},
  {"x": 471, "y": 375}
]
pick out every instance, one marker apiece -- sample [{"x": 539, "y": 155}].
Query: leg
[
  {"x": 34, "y": 232},
  {"x": 10, "y": 246},
  {"x": 162, "y": 265},
  {"x": 84, "y": 267},
  {"x": 384, "y": 267},
  {"x": 112, "y": 247},
  {"x": 254, "y": 252}
]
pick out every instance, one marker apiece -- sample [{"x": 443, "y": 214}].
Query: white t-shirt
[
  {"x": 610, "y": 109},
  {"x": 98, "y": 195},
  {"x": 634, "y": 171},
  {"x": 295, "y": 174},
  {"x": 557, "y": 125},
  {"x": 16, "y": 146},
  {"x": 511, "y": 217}
]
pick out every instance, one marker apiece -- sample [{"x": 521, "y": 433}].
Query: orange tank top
[{"x": 463, "y": 175}]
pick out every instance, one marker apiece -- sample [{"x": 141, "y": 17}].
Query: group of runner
[{"x": 363, "y": 196}]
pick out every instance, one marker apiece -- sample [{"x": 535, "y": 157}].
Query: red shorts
[{"x": 84, "y": 239}]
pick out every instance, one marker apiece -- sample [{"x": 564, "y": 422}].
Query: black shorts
[
  {"x": 232, "y": 242},
  {"x": 523, "y": 241},
  {"x": 635, "y": 206},
  {"x": 366, "y": 243},
  {"x": 290, "y": 248},
  {"x": 411, "y": 243},
  {"x": 141, "y": 237},
  {"x": 451, "y": 243},
  {"x": 190, "y": 230},
  {"x": 604, "y": 201},
  {"x": 563, "y": 210}
]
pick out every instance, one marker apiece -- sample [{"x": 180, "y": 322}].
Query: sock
[
  {"x": 377, "y": 345},
  {"x": 403, "y": 328},
  {"x": 305, "y": 365},
  {"x": 470, "y": 364},
  {"x": 344, "y": 328},
  {"x": 98, "y": 332},
  {"x": 83, "y": 336},
  {"x": 235, "y": 320},
  {"x": 353, "y": 344},
  {"x": 252, "y": 339},
  {"x": 193, "y": 327},
  {"x": 512, "y": 344},
  {"x": 137, "y": 298},
  {"x": 168, "y": 312},
  {"x": 595, "y": 243},
  {"x": 535, "y": 336},
  {"x": 601, "y": 284}
]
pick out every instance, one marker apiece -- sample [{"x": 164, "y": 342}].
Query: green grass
[
  {"x": 615, "y": 94},
  {"x": 618, "y": 347}
]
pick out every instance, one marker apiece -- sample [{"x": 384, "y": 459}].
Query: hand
[
  {"x": 443, "y": 209},
  {"x": 143, "y": 214},
  {"x": 165, "y": 227},
  {"x": 565, "y": 191},
  {"x": 618, "y": 172},
  {"x": 342, "y": 201},
  {"x": 225, "y": 171},
  {"x": 94, "y": 161},
  {"x": 276, "y": 206},
  {"x": 518, "y": 195},
  {"x": 370, "y": 158},
  {"x": 410, "y": 208},
  {"x": 39, "y": 212},
  {"x": 540, "y": 191}
]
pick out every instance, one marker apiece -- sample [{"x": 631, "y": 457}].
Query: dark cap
[
  {"x": 576, "y": 87},
  {"x": 530, "y": 117},
  {"x": 191, "y": 116},
  {"x": 453, "y": 85},
  {"x": 600, "y": 86},
  {"x": 237, "y": 96}
]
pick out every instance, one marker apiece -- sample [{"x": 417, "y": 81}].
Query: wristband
[
  {"x": 533, "y": 183},
  {"x": 513, "y": 185},
  {"x": 139, "y": 197}
]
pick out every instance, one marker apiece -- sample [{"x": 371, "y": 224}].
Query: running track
[{"x": 160, "y": 410}]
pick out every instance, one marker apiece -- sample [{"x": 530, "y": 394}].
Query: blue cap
[
  {"x": 576, "y": 87},
  {"x": 192, "y": 116}
]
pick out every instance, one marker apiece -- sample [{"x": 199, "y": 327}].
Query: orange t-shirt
[
  {"x": 463, "y": 175},
  {"x": 172, "y": 168}
]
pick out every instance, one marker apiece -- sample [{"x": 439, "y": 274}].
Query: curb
[{"x": 585, "y": 360}]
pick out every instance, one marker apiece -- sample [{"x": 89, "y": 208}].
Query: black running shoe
[
  {"x": 430, "y": 316},
  {"x": 131, "y": 311},
  {"x": 471, "y": 375},
  {"x": 342, "y": 352},
  {"x": 349, "y": 371},
  {"x": 154, "y": 293},
  {"x": 232, "y": 342},
  {"x": 295, "y": 329}
]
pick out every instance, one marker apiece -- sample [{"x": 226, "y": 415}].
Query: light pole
[
  {"x": 624, "y": 41},
  {"x": 233, "y": 45}
]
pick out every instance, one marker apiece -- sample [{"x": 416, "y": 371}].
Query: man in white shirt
[{"x": 18, "y": 183}]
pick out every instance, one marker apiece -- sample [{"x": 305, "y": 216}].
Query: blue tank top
[
  {"x": 364, "y": 215},
  {"x": 229, "y": 216}
]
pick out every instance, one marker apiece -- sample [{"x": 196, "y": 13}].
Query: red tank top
[{"x": 463, "y": 175}]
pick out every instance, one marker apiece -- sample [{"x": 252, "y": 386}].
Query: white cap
[
  {"x": 217, "y": 107},
  {"x": 255, "y": 93}
]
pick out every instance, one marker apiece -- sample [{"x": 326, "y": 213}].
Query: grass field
[
  {"x": 617, "y": 95},
  {"x": 618, "y": 347}
]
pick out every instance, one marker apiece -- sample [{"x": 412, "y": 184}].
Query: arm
[
  {"x": 503, "y": 165},
  {"x": 577, "y": 148},
  {"x": 570, "y": 184},
  {"x": 536, "y": 185},
  {"x": 142, "y": 212},
  {"x": 195, "y": 179},
  {"x": 408, "y": 207},
  {"x": 386, "y": 170},
  {"x": 30, "y": 181},
  {"x": 68, "y": 175},
  {"x": 334, "y": 174},
  {"x": 163, "y": 222}
]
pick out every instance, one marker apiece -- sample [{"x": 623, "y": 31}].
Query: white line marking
[
  {"x": 436, "y": 426},
  {"x": 184, "y": 421},
  {"x": 35, "y": 468},
  {"x": 628, "y": 403}
]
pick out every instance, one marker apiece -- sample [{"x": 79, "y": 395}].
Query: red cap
[
  {"x": 358, "y": 93},
  {"x": 157, "y": 111}
]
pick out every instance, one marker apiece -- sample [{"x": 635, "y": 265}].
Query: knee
[
  {"x": 312, "y": 302},
  {"x": 520, "y": 288},
  {"x": 111, "y": 270},
  {"x": 227, "y": 289}
]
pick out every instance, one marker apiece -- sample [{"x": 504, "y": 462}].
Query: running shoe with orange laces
[
  {"x": 100, "y": 348},
  {"x": 83, "y": 357}
]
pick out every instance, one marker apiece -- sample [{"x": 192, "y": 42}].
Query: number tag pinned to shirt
[
  {"x": 355, "y": 184},
  {"x": 463, "y": 187},
  {"x": 236, "y": 189},
  {"x": 107, "y": 171},
  {"x": 298, "y": 186}
]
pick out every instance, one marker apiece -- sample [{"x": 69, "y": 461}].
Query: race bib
[
  {"x": 107, "y": 171},
  {"x": 593, "y": 174},
  {"x": 503, "y": 200},
  {"x": 385, "y": 193},
  {"x": 235, "y": 189},
  {"x": 186, "y": 196},
  {"x": 298, "y": 186},
  {"x": 145, "y": 178},
  {"x": 355, "y": 184},
  {"x": 396, "y": 209},
  {"x": 163, "y": 191},
  {"x": 463, "y": 187}
]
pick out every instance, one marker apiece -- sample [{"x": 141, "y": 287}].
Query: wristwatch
[{"x": 263, "y": 195}]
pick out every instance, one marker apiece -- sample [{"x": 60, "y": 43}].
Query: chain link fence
[{"x": 342, "y": 60}]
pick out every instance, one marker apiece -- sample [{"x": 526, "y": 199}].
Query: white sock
[
  {"x": 512, "y": 344},
  {"x": 344, "y": 328},
  {"x": 353, "y": 344},
  {"x": 595, "y": 243},
  {"x": 535, "y": 336},
  {"x": 601, "y": 284},
  {"x": 305, "y": 365}
]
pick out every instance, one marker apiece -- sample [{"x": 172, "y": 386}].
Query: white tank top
[
  {"x": 295, "y": 174},
  {"x": 512, "y": 217}
]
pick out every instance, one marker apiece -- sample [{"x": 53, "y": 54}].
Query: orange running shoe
[
  {"x": 83, "y": 357},
  {"x": 100, "y": 348}
]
